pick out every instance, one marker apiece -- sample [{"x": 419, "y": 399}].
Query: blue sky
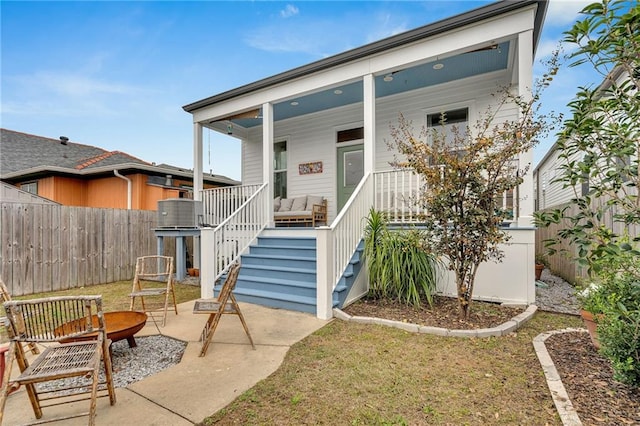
[{"x": 116, "y": 74}]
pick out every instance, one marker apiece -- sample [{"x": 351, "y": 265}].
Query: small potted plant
[
  {"x": 592, "y": 298},
  {"x": 541, "y": 263}
]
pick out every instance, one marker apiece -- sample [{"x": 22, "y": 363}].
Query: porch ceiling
[{"x": 469, "y": 64}]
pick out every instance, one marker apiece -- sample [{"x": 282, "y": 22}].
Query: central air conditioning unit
[{"x": 179, "y": 213}]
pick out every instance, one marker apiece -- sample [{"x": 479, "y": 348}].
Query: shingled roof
[
  {"x": 22, "y": 151},
  {"x": 24, "y": 155}
]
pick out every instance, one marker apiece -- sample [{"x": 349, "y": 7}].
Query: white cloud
[
  {"x": 324, "y": 37},
  {"x": 564, "y": 12},
  {"x": 289, "y": 11},
  {"x": 385, "y": 27},
  {"x": 52, "y": 93},
  {"x": 546, "y": 48},
  {"x": 72, "y": 85}
]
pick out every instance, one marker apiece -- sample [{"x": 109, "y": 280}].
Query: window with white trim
[
  {"x": 448, "y": 122},
  {"x": 30, "y": 187},
  {"x": 280, "y": 169}
]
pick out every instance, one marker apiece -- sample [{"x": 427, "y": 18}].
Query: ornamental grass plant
[{"x": 400, "y": 267}]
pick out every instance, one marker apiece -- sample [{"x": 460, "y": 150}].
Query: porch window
[
  {"x": 280, "y": 169},
  {"x": 30, "y": 187},
  {"x": 456, "y": 118}
]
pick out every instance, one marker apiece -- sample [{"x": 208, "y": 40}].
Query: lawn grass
[
  {"x": 115, "y": 297},
  {"x": 363, "y": 374}
]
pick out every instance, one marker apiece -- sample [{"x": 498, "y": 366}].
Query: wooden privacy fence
[
  {"x": 562, "y": 264},
  {"x": 52, "y": 247}
]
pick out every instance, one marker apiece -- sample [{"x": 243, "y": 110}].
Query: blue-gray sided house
[{"x": 319, "y": 131}]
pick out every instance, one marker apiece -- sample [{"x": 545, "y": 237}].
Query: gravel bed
[
  {"x": 151, "y": 355},
  {"x": 556, "y": 295}
]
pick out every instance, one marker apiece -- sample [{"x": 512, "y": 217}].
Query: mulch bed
[
  {"x": 587, "y": 376},
  {"x": 444, "y": 313}
]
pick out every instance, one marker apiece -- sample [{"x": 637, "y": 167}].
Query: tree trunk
[{"x": 465, "y": 278}]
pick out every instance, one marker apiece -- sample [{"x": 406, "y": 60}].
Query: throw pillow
[
  {"x": 276, "y": 203},
  {"x": 285, "y": 204},
  {"x": 299, "y": 203}
]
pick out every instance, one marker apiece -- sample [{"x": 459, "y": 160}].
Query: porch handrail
[
  {"x": 336, "y": 243},
  {"x": 348, "y": 226},
  {"x": 219, "y": 203},
  {"x": 396, "y": 193},
  {"x": 231, "y": 237}
]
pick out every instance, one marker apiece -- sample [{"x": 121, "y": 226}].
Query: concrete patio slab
[{"x": 198, "y": 386}]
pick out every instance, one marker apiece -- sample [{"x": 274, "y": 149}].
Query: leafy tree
[
  {"x": 466, "y": 173},
  {"x": 600, "y": 146},
  {"x": 600, "y": 143}
]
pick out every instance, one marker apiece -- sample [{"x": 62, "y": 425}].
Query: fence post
[{"x": 325, "y": 273}]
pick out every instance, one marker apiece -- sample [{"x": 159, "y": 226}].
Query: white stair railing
[
  {"x": 336, "y": 244},
  {"x": 219, "y": 203},
  {"x": 222, "y": 245}
]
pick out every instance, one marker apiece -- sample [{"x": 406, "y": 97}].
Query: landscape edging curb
[
  {"x": 501, "y": 330},
  {"x": 566, "y": 411}
]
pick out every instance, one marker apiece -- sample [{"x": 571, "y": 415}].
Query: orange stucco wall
[
  {"x": 64, "y": 190},
  {"x": 107, "y": 192}
]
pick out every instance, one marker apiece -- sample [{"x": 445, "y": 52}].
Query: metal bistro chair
[
  {"x": 75, "y": 326},
  {"x": 151, "y": 270},
  {"x": 224, "y": 304}
]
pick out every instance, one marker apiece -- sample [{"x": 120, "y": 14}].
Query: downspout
[{"x": 115, "y": 172}]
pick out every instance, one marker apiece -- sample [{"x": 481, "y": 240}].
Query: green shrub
[
  {"x": 399, "y": 266},
  {"x": 619, "y": 328}
]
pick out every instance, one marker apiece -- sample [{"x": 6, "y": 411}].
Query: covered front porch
[
  {"x": 323, "y": 130},
  {"x": 316, "y": 269}
]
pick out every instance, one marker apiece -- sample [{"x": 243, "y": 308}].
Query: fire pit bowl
[{"x": 120, "y": 325}]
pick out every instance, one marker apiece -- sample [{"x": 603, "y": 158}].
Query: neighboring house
[
  {"x": 321, "y": 130},
  {"x": 74, "y": 174},
  {"x": 551, "y": 193},
  {"x": 9, "y": 193}
]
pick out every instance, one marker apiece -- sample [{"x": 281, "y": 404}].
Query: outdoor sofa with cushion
[{"x": 305, "y": 209}]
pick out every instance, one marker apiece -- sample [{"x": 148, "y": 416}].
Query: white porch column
[
  {"x": 208, "y": 270},
  {"x": 369, "y": 97},
  {"x": 198, "y": 183},
  {"x": 324, "y": 272},
  {"x": 526, "y": 202},
  {"x": 197, "y": 161},
  {"x": 525, "y": 83},
  {"x": 267, "y": 156}
]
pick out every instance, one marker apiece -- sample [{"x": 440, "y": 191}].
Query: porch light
[
  {"x": 338, "y": 92},
  {"x": 229, "y": 129},
  {"x": 438, "y": 66},
  {"x": 388, "y": 78},
  {"x": 294, "y": 103}
]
